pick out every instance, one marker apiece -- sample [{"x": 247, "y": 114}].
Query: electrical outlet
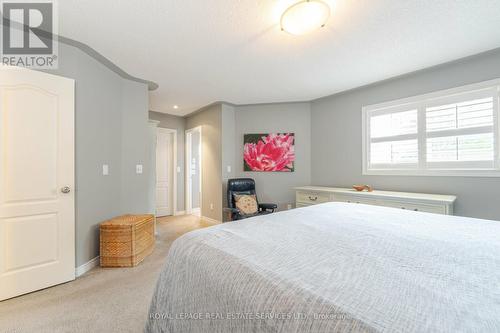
[
  {"x": 178, "y": 169},
  {"x": 138, "y": 169},
  {"x": 289, "y": 206},
  {"x": 105, "y": 169},
  {"x": 228, "y": 169},
  {"x": 211, "y": 206}
]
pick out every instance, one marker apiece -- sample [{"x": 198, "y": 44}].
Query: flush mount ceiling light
[
  {"x": 176, "y": 107},
  {"x": 305, "y": 17}
]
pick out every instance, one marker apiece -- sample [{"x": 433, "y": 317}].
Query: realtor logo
[{"x": 28, "y": 34}]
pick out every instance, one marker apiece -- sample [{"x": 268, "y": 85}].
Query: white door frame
[
  {"x": 189, "y": 187},
  {"x": 174, "y": 171},
  {"x": 153, "y": 126}
]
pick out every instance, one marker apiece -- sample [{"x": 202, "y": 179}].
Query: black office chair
[{"x": 245, "y": 186}]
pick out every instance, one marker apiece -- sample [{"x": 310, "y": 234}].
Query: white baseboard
[
  {"x": 80, "y": 270},
  {"x": 209, "y": 220},
  {"x": 179, "y": 212}
]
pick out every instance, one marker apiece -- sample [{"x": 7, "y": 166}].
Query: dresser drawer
[
  {"x": 312, "y": 198},
  {"x": 436, "y": 209},
  {"x": 354, "y": 199}
]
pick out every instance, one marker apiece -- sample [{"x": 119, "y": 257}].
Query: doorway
[
  {"x": 37, "y": 181},
  {"x": 193, "y": 171},
  {"x": 166, "y": 161}
]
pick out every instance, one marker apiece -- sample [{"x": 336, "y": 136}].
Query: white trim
[
  {"x": 364, "y": 140},
  {"x": 196, "y": 211},
  {"x": 395, "y": 138},
  {"x": 461, "y": 131},
  {"x": 437, "y": 94},
  {"x": 80, "y": 270},
  {"x": 210, "y": 220},
  {"x": 187, "y": 173},
  {"x": 153, "y": 124},
  {"x": 421, "y": 102},
  {"x": 434, "y": 173},
  {"x": 179, "y": 212},
  {"x": 174, "y": 163}
]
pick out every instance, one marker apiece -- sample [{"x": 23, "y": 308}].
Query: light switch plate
[
  {"x": 228, "y": 169},
  {"x": 105, "y": 169},
  {"x": 178, "y": 169},
  {"x": 138, "y": 169}
]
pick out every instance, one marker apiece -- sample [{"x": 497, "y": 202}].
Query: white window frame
[{"x": 420, "y": 103}]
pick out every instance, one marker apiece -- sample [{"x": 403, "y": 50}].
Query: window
[{"x": 453, "y": 132}]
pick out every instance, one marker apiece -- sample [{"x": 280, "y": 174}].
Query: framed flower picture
[{"x": 274, "y": 152}]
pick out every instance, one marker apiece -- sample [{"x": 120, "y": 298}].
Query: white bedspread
[{"x": 333, "y": 267}]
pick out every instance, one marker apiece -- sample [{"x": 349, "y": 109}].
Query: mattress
[{"x": 334, "y": 267}]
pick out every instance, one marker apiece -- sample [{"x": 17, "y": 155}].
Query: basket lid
[{"x": 127, "y": 219}]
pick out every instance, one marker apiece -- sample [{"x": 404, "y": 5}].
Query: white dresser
[{"x": 430, "y": 203}]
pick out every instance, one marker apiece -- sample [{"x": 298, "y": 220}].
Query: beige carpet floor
[{"x": 103, "y": 300}]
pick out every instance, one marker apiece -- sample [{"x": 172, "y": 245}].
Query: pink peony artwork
[{"x": 273, "y": 152}]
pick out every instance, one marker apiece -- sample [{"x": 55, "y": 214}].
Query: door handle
[{"x": 65, "y": 190}]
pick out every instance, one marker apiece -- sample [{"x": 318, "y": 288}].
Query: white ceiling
[{"x": 202, "y": 51}]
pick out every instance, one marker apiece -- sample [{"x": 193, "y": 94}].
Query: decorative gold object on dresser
[
  {"x": 361, "y": 188},
  {"x": 126, "y": 240}
]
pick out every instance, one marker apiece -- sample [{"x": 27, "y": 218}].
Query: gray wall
[
  {"x": 336, "y": 136},
  {"x": 135, "y": 144},
  {"x": 276, "y": 187},
  {"x": 179, "y": 124},
  {"x": 104, "y": 104},
  {"x": 228, "y": 148},
  {"x": 211, "y": 138}
]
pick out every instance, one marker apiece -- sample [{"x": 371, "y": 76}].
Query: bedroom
[{"x": 162, "y": 113}]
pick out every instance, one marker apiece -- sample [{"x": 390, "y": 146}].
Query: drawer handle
[
  {"x": 416, "y": 209},
  {"x": 313, "y": 198}
]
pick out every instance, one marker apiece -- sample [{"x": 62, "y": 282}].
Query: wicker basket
[{"x": 126, "y": 240}]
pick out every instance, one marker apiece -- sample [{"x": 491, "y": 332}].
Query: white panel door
[
  {"x": 164, "y": 173},
  {"x": 37, "y": 218}
]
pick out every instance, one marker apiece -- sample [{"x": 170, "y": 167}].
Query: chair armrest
[
  {"x": 235, "y": 214},
  {"x": 268, "y": 206},
  {"x": 234, "y": 210}
]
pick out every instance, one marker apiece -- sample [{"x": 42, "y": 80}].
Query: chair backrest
[{"x": 239, "y": 186}]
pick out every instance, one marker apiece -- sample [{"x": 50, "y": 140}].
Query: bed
[{"x": 334, "y": 267}]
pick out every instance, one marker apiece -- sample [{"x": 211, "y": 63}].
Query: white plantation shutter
[
  {"x": 461, "y": 132},
  {"x": 435, "y": 134},
  {"x": 394, "y": 152},
  {"x": 467, "y": 114},
  {"x": 394, "y": 138},
  {"x": 461, "y": 148},
  {"x": 393, "y": 124}
]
